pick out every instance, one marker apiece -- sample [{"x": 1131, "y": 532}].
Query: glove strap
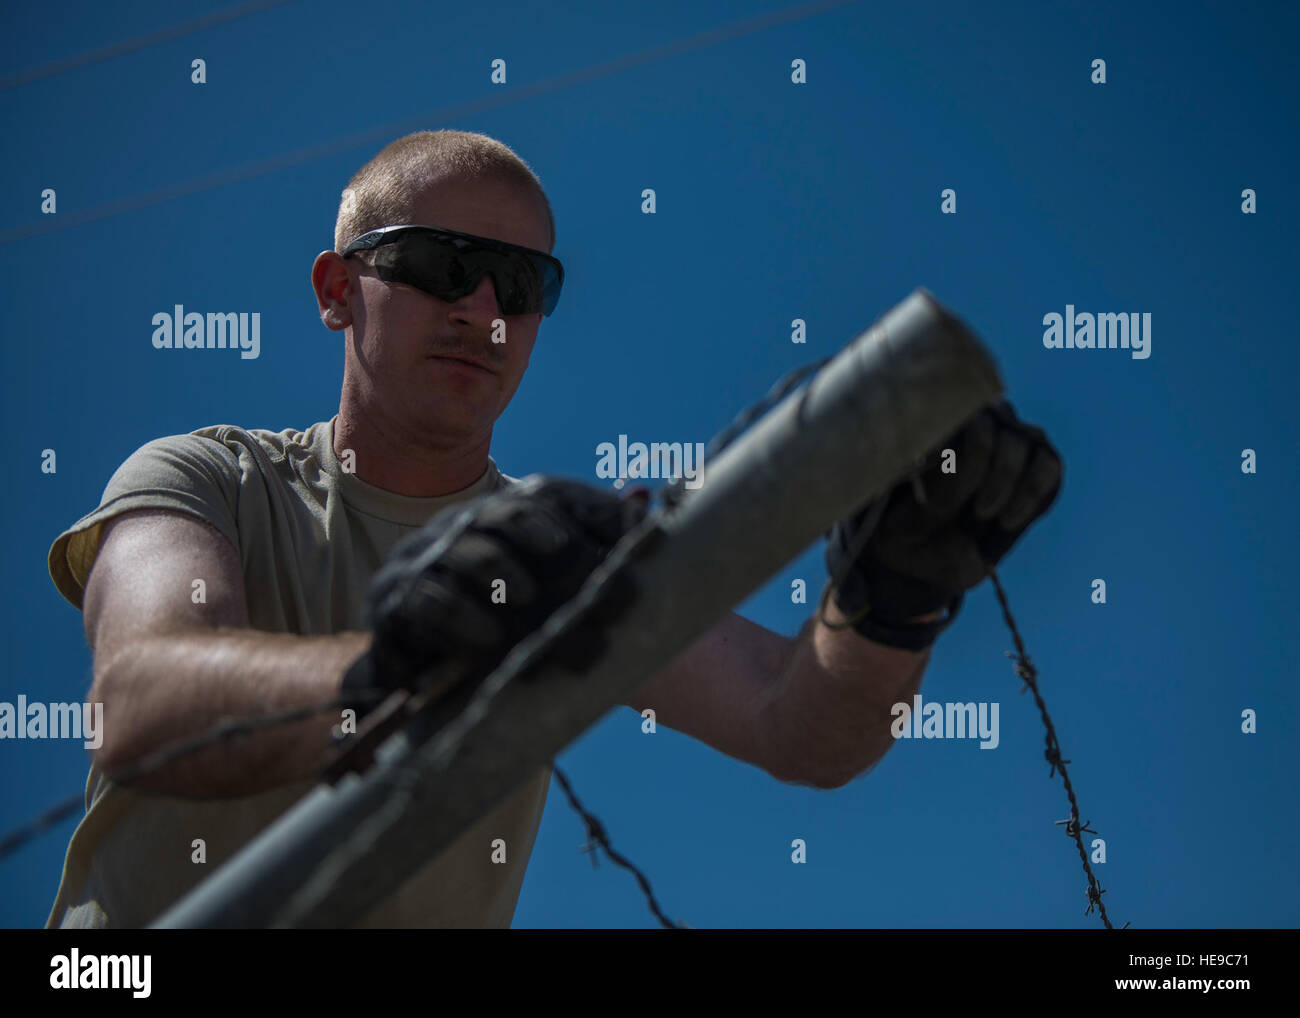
[{"x": 914, "y": 636}]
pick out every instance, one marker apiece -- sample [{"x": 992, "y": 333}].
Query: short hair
[{"x": 381, "y": 193}]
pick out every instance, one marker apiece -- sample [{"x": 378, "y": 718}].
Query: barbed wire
[
  {"x": 1026, "y": 670},
  {"x": 596, "y": 833},
  {"x": 441, "y": 748},
  {"x": 224, "y": 730}
]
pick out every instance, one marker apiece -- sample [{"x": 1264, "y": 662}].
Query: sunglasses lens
[
  {"x": 448, "y": 270},
  {"x": 517, "y": 285}
]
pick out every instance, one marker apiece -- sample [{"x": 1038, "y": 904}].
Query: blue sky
[{"x": 775, "y": 201}]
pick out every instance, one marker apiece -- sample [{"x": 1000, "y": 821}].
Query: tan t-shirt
[{"x": 309, "y": 536}]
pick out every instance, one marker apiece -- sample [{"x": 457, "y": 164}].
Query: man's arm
[
  {"x": 826, "y": 719},
  {"x": 820, "y": 713},
  {"x": 813, "y": 710},
  {"x": 167, "y": 669}
]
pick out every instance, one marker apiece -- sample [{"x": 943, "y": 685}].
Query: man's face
[{"x": 404, "y": 339}]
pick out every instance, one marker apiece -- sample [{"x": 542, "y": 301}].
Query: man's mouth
[{"x": 464, "y": 362}]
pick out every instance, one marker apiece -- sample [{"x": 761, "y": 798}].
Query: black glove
[
  {"x": 923, "y": 555},
  {"x": 542, "y": 537}
]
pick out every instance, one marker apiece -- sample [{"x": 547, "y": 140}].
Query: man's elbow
[
  {"x": 822, "y": 784},
  {"x": 828, "y": 775},
  {"x": 120, "y": 744},
  {"x": 838, "y": 779},
  {"x": 809, "y": 777},
  {"x": 774, "y": 751},
  {"x": 107, "y": 755}
]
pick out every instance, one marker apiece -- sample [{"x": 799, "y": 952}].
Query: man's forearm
[
  {"x": 828, "y": 715},
  {"x": 174, "y": 687}
]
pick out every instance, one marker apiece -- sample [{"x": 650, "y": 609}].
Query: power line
[
  {"x": 140, "y": 42},
  {"x": 386, "y": 133}
]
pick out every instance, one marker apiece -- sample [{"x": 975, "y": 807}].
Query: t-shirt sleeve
[{"x": 186, "y": 473}]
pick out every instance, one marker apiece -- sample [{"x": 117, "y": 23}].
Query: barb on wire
[
  {"x": 1072, "y": 826},
  {"x": 1025, "y": 670},
  {"x": 596, "y": 836}
]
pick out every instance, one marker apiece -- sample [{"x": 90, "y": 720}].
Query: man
[{"x": 235, "y": 573}]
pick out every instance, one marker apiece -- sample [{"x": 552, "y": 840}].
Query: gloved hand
[
  {"x": 542, "y": 537},
  {"x": 922, "y": 556}
]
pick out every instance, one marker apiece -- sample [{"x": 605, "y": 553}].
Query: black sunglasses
[{"x": 449, "y": 265}]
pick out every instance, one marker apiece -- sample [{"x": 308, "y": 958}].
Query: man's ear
[{"x": 335, "y": 290}]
